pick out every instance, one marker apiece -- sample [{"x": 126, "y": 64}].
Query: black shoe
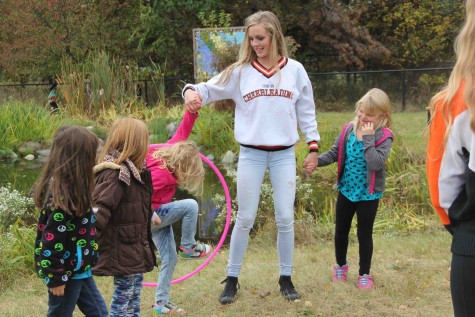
[
  {"x": 287, "y": 288},
  {"x": 228, "y": 295}
]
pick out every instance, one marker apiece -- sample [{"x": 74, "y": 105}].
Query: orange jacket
[{"x": 437, "y": 158}]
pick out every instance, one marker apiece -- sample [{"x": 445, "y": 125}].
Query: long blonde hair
[
  {"x": 375, "y": 102},
  {"x": 246, "y": 54},
  {"x": 462, "y": 73},
  {"x": 183, "y": 160},
  {"x": 130, "y": 138}
]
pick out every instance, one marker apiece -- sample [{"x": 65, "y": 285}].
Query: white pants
[{"x": 252, "y": 166}]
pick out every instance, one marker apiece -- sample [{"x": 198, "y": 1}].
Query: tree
[
  {"x": 419, "y": 33},
  {"x": 165, "y": 33},
  {"x": 329, "y": 38},
  {"x": 37, "y": 34}
]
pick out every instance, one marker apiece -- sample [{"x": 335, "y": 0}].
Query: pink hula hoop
[{"x": 223, "y": 236}]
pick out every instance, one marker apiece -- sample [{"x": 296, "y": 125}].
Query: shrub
[{"x": 13, "y": 206}]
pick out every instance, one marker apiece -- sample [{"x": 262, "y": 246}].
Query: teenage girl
[
  {"x": 66, "y": 247},
  {"x": 360, "y": 150},
  {"x": 450, "y": 165},
  {"x": 273, "y": 96}
]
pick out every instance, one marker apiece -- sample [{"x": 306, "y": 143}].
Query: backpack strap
[{"x": 386, "y": 134}]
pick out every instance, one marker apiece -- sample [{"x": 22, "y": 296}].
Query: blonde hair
[
  {"x": 246, "y": 54},
  {"x": 130, "y": 138},
  {"x": 375, "y": 102},
  {"x": 462, "y": 73},
  {"x": 183, "y": 160}
]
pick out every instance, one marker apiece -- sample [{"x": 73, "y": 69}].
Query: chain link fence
[{"x": 409, "y": 89}]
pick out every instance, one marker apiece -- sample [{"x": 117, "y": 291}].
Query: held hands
[
  {"x": 58, "y": 290},
  {"x": 310, "y": 163},
  {"x": 192, "y": 100},
  {"x": 367, "y": 128}
]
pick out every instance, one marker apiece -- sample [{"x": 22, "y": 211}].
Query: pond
[{"x": 22, "y": 174}]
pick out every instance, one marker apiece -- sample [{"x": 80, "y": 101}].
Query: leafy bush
[
  {"x": 13, "y": 205},
  {"x": 304, "y": 190}
]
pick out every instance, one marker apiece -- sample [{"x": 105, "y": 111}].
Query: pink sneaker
[
  {"x": 365, "y": 281},
  {"x": 339, "y": 273}
]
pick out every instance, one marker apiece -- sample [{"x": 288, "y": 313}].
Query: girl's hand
[
  {"x": 58, "y": 290},
  {"x": 310, "y": 163},
  {"x": 192, "y": 100},
  {"x": 156, "y": 219},
  {"x": 367, "y": 128}
]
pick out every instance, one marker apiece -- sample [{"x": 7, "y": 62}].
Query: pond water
[{"x": 22, "y": 174}]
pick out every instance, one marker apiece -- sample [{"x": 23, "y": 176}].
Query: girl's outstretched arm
[{"x": 185, "y": 127}]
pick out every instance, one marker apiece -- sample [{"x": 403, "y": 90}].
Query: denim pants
[
  {"x": 252, "y": 166},
  {"x": 80, "y": 292},
  {"x": 162, "y": 235},
  {"x": 126, "y": 297}
]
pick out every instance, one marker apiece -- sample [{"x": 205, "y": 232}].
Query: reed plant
[
  {"x": 98, "y": 85},
  {"x": 22, "y": 122}
]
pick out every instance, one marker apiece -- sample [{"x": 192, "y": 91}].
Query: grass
[
  {"x": 411, "y": 255},
  {"x": 409, "y": 270},
  {"x": 408, "y": 126}
]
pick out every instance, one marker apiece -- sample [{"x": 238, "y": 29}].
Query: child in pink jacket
[{"x": 176, "y": 163}]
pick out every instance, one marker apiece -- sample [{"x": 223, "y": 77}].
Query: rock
[
  {"x": 210, "y": 157},
  {"x": 7, "y": 154},
  {"x": 43, "y": 153},
  {"x": 228, "y": 158},
  {"x": 30, "y": 157},
  {"x": 171, "y": 128},
  {"x": 29, "y": 148}
]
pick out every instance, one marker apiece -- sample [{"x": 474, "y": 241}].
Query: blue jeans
[
  {"x": 162, "y": 235},
  {"x": 252, "y": 166},
  {"x": 126, "y": 297},
  {"x": 80, "y": 292}
]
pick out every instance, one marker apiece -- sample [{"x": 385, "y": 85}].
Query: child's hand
[
  {"x": 310, "y": 163},
  {"x": 58, "y": 290},
  {"x": 156, "y": 219},
  {"x": 192, "y": 100},
  {"x": 367, "y": 128}
]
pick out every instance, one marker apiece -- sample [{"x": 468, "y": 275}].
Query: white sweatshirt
[{"x": 269, "y": 104}]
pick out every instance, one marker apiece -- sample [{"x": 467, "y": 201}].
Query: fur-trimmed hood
[
  {"x": 105, "y": 165},
  {"x": 126, "y": 168}
]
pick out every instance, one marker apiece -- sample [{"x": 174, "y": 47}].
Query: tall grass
[
  {"x": 16, "y": 254},
  {"x": 99, "y": 85},
  {"x": 22, "y": 122},
  {"x": 214, "y": 131}
]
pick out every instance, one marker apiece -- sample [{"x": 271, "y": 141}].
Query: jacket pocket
[{"x": 129, "y": 233}]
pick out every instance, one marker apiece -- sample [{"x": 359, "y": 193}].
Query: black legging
[
  {"x": 365, "y": 213},
  {"x": 462, "y": 285}
]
